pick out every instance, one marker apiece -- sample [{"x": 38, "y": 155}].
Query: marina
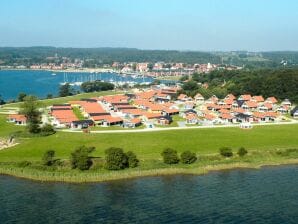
[{"x": 41, "y": 83}]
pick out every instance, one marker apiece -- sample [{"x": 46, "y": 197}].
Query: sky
[{"x": 209, "y": 25}]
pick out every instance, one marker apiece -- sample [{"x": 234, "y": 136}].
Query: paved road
[{"x": 180, "y": 128}]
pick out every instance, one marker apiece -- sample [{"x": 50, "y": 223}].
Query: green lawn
[
  {"x": 78, "y": 113},
  {"x": 148, "y": 145}
]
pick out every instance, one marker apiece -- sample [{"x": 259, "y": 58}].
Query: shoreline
[{"x": 99, "y": 177}]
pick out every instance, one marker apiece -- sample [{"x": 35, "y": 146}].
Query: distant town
[{"x": 158, "y": 69}]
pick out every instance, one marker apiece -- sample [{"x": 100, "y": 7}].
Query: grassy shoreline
[{"x": 75, "y": 176}]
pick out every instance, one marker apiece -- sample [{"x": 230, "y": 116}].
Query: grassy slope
[
  {"x": 260, "y": 141},
  {"x": 149, "y": 145},
  {"x": 48, "y": 102}
]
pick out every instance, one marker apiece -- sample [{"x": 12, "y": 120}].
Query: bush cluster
[
  {"x": 188, "y": 157},
  {"x": 117, "y": 159},
  {"x": 170, "y": 156},
  {"x": 80, "y": 158},
  {"x": 227, "y": 152},
  {"x": 48, "y": 158},
  {"x": 242, "y": 152}
]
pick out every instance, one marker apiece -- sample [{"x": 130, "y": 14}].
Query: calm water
[
  {"x": 269, "y": 195},
  {"x": 41, "y": 83}
]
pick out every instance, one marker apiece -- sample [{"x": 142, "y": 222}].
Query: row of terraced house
[{"x": 158, "y": 105}]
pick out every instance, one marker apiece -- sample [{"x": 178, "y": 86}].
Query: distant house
[
  {"x": 133, "y": 123},
  {"x": 189, "y": 106},
  {"x": 245, "y": 97},
  {"x": 294, "y": 112},
  {"x": 242, "y": 118},
  {"x": 184, "y": 98},
  {"x": 249, "y": 105},
  {"x": 283, "y": 109},
  {"x": 199, "y": 98},
  {"x": 227, "y": 117},
  {"x": 237, "y": 103},
  {"x": 109, "y": 121},
  {"x": 18, "y": 119},
  {"x": 257, "y": 99},
  {"x": 81, "y": 124},
  {"x": 286, "y": 102},
  {"x": 212, "y": 99},
  {"x": 165, "y": 120},
  {"x": 191, "y": 118},
  {"x": 271, "y": 100},
  {"x": 230, "y": 97},
  {"x": 265, "y": 107},
  {"x": 170, "y": 111}
]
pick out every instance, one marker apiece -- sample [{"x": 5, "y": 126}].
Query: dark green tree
[
  {"x": 188, "y": 157},
  {"x": 170, "y": 156},
  {"x": 242, "y": 151},
  {"x": 49, "y": 96},
  {"x": 21, "y": 97},
  {"x": 226, "y": 151},
  {"x": 48, "y": 158},
  {"x": 65, "y": 90},
  {"x": 2, "y": 102},
  {"x": 96, "y": 86},
  {"x": 47, "y": 129},
  {"x": 80, "y": 158},
  {"x": 29, "y": 108},
  {"x": 116, "y": 159},
  {"x": 132, "y": 159}
]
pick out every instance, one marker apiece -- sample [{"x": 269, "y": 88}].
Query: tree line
[{"x": 281, "y": 83}]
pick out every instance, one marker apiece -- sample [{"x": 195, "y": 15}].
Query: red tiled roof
[
  {"x": 230, "y": 97},
  {"x": 191, "y": 116},
  {"x": 209, "y": 116},
  {"x": 111, "y": 119},
  {"x": 91, "y": 107},
  {"x": 133, "y": 111},
  {"x": 170, "y": 111},
  {"x": 271, "y": 99},
  {"x": 239, "y": 110},
  {"x": 152, "y": 115},
  {"x": 226, "y": 116},
  {"x": 64, "y": 116},
  {"x": 246, "y": 97},
  {"x": 251, "y": 104},
  {"x": 258, "y": 98},
  {"x": 136, "y": 121},
  {"x": 268, "y": 105},
  {"x": 18, "y": 117}
]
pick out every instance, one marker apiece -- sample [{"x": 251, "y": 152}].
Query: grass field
[
  {"x": 262, "y": 142},
  {"x": 150, "y": 144}
]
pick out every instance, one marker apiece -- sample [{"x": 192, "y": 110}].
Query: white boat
[{"x": 53, "y": 74}]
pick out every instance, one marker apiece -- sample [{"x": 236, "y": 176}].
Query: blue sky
[{"x": 254, "y": 25}]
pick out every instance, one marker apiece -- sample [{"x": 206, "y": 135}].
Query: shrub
[
  {"x": 170, "y": 156},
  {"x": 116, "y": 159},
  {"x": 188, "y": 157},
  {"x": 132, "y": 159},
  {"x": 80, "y": 158},
  {"x": 48, "y": 158},
  {"x": 47, "y": 129},
  {"x": 242, "y": 152},
  {"x": 226, "y": 152}
]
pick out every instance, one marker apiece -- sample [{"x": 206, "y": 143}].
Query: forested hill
[
  {"x": 32, "y": 55},
  {"x": 104, "y": 55},
  {"x": 281, "y": 83}
]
